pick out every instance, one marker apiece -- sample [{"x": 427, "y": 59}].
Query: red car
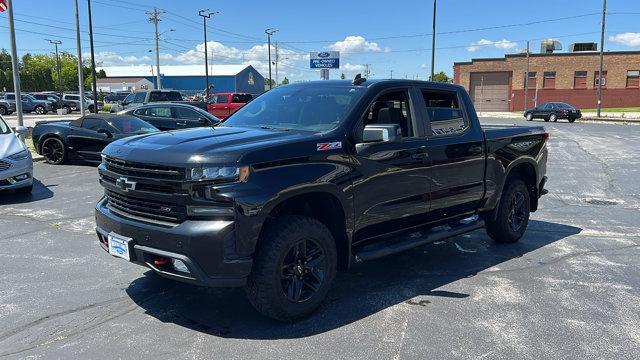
[{"x": 221, "y": 105}]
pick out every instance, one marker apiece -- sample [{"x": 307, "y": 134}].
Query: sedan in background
[
  {"x": 16, "y": 164},
  {"x": 85, "y": 137},
  {"x": 552, "y": 111},
  {"x": 173, "y": 116}
]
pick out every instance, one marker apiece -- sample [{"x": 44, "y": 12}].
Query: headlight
[
  {"x": 229, "y": 173},
  {"x": 19, "y": 155}
]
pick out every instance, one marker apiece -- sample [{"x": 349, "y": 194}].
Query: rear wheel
[
  {"x": 513, "y": 213},
  {"x": 3, "y": 110},
  {"x": 572, "y": 119},
  {"x": 529, "y": 116},
  {"x": 54, "y": 151},
  {"x": 67, "y": 108},
  {"x": 553, "y": 117},
  {"x": 40, "y": 110},
  {"x": 294, "y": 267}
]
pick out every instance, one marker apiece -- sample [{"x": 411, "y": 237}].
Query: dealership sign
[{"x": 324, "y": 60}]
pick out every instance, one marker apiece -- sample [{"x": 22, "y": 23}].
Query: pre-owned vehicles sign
[{"x": 324, "y": 60}]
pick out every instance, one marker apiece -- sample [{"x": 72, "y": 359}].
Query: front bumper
[
  {"x": 205, "y": 247},
  {"x": 10, "y": 178}
]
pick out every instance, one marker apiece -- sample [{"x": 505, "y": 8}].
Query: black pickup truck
[{"x": 310, "y": 177}]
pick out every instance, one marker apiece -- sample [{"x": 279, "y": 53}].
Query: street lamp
[
  {"x": 270, "y": 32},
  {"x": 56, "y": 43},
  {"x": 206, "y": 14}
]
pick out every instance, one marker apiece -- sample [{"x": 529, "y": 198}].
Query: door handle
[
  {"x": 475, "y": 150},
  {"x": 420, "y": 155},
  {"x": 181, "y": 123}
]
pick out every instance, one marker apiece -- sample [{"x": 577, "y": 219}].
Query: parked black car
[
  {"x": 310, "y": 177},
  {"x": 552, "y": 111},
  {"x": 173, "y": 116},
  {"x": 85, "y": 137}
]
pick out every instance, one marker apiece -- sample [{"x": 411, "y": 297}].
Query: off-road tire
[
  {"x": 501, "y": 229},
  {"x": 265, "y": 285}
]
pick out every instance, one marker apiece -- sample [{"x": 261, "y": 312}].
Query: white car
[{"x": 16, "y": 164}]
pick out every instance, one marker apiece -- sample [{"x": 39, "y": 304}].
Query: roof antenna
[{"x": 358, "y": 80}]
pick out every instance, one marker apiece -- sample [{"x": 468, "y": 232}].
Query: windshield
[
  {"x": 132, "y": 125},
  {"x": 310, "y": 108},
  {"x": 4, "y": 128}
]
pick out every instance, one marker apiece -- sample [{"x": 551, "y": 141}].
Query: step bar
[{"x": 394, "y": 245}]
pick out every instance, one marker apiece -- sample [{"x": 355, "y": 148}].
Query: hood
[
  {"x": 220, "y": 145},
  {"x": 9, "y": 145}
]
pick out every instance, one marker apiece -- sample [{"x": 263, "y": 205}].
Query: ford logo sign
[{"x": 324, "y": 54}]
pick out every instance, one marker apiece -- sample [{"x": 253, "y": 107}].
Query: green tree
[
  {"x": 441, "y": 77},
  {"x": 4, "y": 84},
  {"x": 101, "y": 74},
  {"x": 285, "y": 81},
  {"x": 343, "y": 76},
  {"x": 5, "y": 60}
]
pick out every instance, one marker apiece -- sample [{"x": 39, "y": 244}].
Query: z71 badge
[{"x": 330, "y": 146}]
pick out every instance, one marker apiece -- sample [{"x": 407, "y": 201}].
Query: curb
[{"x": 617, "y": 120}]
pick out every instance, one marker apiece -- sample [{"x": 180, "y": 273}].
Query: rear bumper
[
  {"x": 205, "y": 247},
  {"x": 541, "y": 189}
]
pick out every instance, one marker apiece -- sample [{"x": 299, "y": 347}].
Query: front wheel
[
  {"x": 67, "y": 108},
  {"x": 3, "y": 110},
  {"x": 513, "y": 213},
  {"x": 553, "y": 117},
  {"x": 293, "y": 268},
  {"x": 529, "y": 116},
  {"x": 54, "y": 151}
]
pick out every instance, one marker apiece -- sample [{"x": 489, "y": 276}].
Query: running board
[{"x": 406, "y": 242}]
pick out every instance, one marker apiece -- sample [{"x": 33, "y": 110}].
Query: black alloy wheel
[
  {"x": 53, "y": 151},
  {"x": 517, "y": 214},
  {"x": 303, "y": 270},
  {"x": 40, "y": 110}
]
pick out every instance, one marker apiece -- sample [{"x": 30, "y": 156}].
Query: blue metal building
[{"x": 191, "y": 78}]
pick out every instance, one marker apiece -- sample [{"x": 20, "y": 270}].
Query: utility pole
[
  {"x": 80, "y": 67},
  {"x": 14, "y": 65},
  {"x": 391, "y": 71},
  {"x": 206, "y": 14},
  {"x": 270, "y": 32},
  {"x": 276, "y": 63},
  {"x": 366, "y": 71},
  {"x": 526, "y": 81},
  {"x": 155, "y": 14},
  {"x": 93, "y": 64},
  {"x": 433, "y": 42},
  {"x": 56, "y": 43},
  {"x": 604, "y": 15}
]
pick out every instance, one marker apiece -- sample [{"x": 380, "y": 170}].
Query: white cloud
[
  {"x": 354, "y": 43},
  {"x": 110, "y": 58},
  {"x": 629, "y": 39},
  {"x": 503, "y": 44},
  {"x": 423, "y": 66},
  {"x": 352, "y": 67}
]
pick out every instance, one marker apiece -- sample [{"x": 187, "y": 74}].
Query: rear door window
[
  {"x": 241, "y": 98},
  {"x": 444, "y": 112},
  {"x": 158, "y": 111},
  {"x": 220, "y": 99},
  {"x": 183, "y": 113},
  {"x": 94, "y": 124},
  {"x": 139, "y": 97}
]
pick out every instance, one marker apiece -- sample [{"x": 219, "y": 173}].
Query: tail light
[{"x": 546, "y": 136}]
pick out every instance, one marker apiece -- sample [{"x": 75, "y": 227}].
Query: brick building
[{"x": 497, "y": 84}]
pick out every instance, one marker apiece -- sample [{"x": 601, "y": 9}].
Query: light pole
[
  {"x": 80, "y": 68},
  {"x": 93, "y": 64},
  {"x": 604, "y": 15},
  {"x": 433, "y": 42},
  {"x": 269, "y": 33},
  {"x": 206, "y": 14},
  {"x": 14, "y": 65},
  {"x": 56, "y": 43}
]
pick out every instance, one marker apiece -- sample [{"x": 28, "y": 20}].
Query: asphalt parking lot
[{"x": 569, "y": 289}]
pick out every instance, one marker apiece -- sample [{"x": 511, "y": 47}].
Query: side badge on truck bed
[{"x": 330, "y": 146}]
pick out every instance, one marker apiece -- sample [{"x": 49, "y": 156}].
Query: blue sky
[{"x": 390, "y": 36}]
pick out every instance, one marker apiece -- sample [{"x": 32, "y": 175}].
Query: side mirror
[
  {"x": 22, "y": 130},
  {"x": 106, "y": 132},
  {"x": 202, "y": 120},
  {"x": 382, "y": 133}
]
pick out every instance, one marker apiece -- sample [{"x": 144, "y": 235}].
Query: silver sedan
[{"x": 16, "y": 164}]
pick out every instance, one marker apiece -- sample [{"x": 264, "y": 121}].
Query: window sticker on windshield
[{"x": 330, "y": 146}]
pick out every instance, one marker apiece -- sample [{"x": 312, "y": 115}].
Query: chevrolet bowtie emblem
[{"x": 126, "y": 185}]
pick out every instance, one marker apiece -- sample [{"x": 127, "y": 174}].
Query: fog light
[
  {"x": 180, "y": 266},
  {"x": 21, "y": 177}
]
